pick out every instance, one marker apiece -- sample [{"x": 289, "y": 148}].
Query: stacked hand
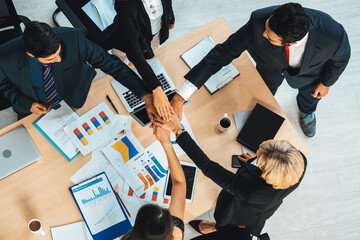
[
  {"x": 158, "y": 107},
  {"x": 161, "y": 134},
  {"x": 161, "y": 104},
  {"x": 172, "y": 125}
]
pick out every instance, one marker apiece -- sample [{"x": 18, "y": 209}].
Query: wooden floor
[{"x": 327, "y": 203}]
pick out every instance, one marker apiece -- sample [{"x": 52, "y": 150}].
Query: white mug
[
  {"x": 224, "y": 123},
  {"x": 35, "y": 226}
]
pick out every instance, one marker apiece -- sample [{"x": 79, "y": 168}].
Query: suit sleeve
[
  {"x": 129, "y": 41},
  {"x": 225, "y": 179},
  {"x": 20, "y": 102},
  {"x": 171, "y": 13},
  {"x": 338, "y": 62},
  {"x": 222, "y": 54},
  {"x": 99, "y": 58}
]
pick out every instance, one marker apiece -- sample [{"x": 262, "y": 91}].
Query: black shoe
[
  {"x": 308, "y": 124},
  {"x": 195, "y": 225}
]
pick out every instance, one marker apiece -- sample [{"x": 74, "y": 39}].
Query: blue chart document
[{"x": 100, "y": 208}]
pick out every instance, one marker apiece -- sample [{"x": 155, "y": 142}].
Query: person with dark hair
[
  {"x": 306, "y": 47},
  {"x": 140, "y": 27},
  {"x": 251, "y": 195},
  {"x": 46, "y": 66},
  {"x": 156, "y": 223}
]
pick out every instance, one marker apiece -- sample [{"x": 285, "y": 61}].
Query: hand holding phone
[{"x": 235, "y": 162}]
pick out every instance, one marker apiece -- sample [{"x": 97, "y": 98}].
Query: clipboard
[
  {"x": 66, "y": 108},
  {"x": 91, "y": 197}
]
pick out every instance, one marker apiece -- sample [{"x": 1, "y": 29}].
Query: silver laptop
[
  {"x": 17, "y": 151},
  {"x": 136, "y": 106}
]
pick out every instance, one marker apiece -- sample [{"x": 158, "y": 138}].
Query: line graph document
[{"x": 98, "y": 204}]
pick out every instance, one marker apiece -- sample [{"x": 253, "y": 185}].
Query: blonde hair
[{"x": 282, "y": 164}]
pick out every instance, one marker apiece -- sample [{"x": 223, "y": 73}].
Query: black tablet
[
  {"x": 190, "y": 172},
  {"x": 262, "y": 125}
]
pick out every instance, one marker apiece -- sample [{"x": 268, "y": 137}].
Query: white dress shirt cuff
[{"x": 186, "y": 89}]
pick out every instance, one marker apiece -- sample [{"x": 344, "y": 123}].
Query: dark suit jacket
[
  {"x": 326, "y": 56},
  {"x": 73, "y": 75},
  {"x": 133, "y": 35},
  {"x": 246, "y": 199}
]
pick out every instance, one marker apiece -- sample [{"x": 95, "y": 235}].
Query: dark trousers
[
  {"x": 306, "y": 103},
  {"x": 228, "y": 233}
]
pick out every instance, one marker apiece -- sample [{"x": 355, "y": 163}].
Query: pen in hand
[{"x": 108, "y": 98}]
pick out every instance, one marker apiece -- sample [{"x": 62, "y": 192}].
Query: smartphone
[{"x": 235, "y": 162}]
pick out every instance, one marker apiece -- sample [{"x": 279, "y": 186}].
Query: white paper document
[
  {"x": 101, "y": 12},
  {"x": 52, "y": 124},
  {"x": 74, "y": 231},
  {"x": 95, "y": 127},
  {"x": 195, "y": 54},
  {"x": 140, "y": 171},
  {"x": 96, "y": 165},
  {"x": 98, "y": 204}
]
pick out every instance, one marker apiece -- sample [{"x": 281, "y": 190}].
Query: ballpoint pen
[{"x": 108, "y": 98}]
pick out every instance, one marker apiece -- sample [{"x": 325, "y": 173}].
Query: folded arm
[{"x": 19, "y": 101}]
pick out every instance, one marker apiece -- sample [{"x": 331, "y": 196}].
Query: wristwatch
[{"x": 178, "y": 132}]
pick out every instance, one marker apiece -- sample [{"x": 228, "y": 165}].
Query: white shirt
[
  {"x": 296, "y": 52},
  {"x": 155, "y": 10}
]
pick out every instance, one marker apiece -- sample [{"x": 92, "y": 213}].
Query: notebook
[
  {"x": 195, "y": 54},
  {"x": 17, "y": 150},
  {"x": 262, "y": 125}
]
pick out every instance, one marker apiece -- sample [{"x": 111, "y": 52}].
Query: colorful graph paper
[
  {"x": 96, "y": 123},
  {"x": 155, "y": 194},
  {"x": 104, "y": 117},
  {"x": 80, "y": 136},
  {"x": 125, "y": 148},
  {"x": 87, "y": 128}
]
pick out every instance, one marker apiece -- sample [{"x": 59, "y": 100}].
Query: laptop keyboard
[{"x": 134, "y": 101}]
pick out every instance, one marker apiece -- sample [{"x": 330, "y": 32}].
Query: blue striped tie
[{"x": 52, "y": 97}]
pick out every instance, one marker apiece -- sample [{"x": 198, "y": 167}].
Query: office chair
[
  {"x": 79, "y": 19},
  {"x": 9, "y": 28}
]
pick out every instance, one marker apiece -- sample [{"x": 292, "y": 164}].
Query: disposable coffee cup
[
  {"x": 224, "y": 123},
  {"x": 35, "y": 226}
]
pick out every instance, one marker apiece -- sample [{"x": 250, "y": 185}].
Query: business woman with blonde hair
[{"x": 252, "y": 194}]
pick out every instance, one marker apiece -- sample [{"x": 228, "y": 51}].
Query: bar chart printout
[
  {"x": 142, "y": 170},
  {"x": 98, "y": 204}
]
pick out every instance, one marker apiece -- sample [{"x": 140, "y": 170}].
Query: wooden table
[{"x": 41, "y": 189}]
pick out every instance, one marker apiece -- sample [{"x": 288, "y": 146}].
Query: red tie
[{"x": 287, "y": 53}]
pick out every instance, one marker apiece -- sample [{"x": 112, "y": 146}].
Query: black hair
[
  {"x": 289, "y": 22},
  {"x": 153, "y": 223},
  {"x": 40, "y": 39}
]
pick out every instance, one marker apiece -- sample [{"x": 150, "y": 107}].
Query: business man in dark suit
[
  {"x": 48, "y": 65},
  {"x": 306, "y": 47}
]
